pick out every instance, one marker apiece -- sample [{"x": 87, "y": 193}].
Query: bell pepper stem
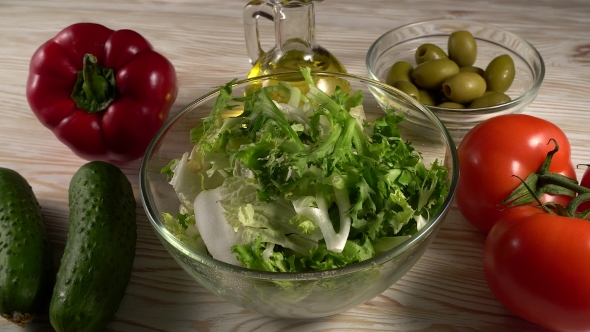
[{"x": 95, "y": 87}]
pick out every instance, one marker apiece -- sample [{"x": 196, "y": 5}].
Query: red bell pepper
[{"x": 103, "y": 93}]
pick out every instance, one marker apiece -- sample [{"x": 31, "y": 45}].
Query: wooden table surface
[{"x": 204, "y": 39}]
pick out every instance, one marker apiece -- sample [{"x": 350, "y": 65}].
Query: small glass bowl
[
  {"x": 309, "y": 294},
  {"x": 401, "y": 44}
]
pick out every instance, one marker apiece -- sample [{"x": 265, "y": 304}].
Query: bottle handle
[{"x": 253, "y": 10}]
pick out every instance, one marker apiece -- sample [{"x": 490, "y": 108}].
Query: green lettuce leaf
[{"x": 305, "y": 180}]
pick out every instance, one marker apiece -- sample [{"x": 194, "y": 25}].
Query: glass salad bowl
[{"x": 300, "y": 294}]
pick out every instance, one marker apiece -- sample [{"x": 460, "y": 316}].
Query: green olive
[
  {"x": 490, "y": 98},
  {"x": 429, "y": 52},
  {"x": 408, "y": 88},
  {"x": 463, "y": 88},
  {"x": 499, "y": 73},
  {"x": 462, "y": 48},
  {"x": 400, "y": 71},
  {"x": 426, "y": 97},
  {"x": 472, "y": 69},
  {"x": 432, "y": 73},
  {"x": 451, "y": 104}
]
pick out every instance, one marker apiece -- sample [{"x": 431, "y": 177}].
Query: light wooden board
[{"x": 444, "y": 291}]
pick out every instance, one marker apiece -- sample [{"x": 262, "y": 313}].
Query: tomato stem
[
  {"x": 547, "y": 163},
  {"x": 564, "y": 182},
  {"x": 532, "y": 194},
  {"x": 545, "y": 182},
  {"x": 572, "y": 207}
]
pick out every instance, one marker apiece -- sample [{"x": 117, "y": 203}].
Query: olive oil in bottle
[
  {"x": 295, "y": 43},
  {"x": 292, "y": 60},
  {"x": 320, "y": 60}
]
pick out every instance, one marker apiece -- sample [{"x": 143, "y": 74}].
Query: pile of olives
[{"x": 451, "y": 80}]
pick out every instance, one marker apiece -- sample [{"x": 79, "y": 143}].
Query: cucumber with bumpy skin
[
  {"x": 100, "y": 249},
  {"x": 26, "y": 261}
]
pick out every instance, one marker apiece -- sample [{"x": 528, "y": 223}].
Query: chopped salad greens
[{"x": 302, "y": 184}]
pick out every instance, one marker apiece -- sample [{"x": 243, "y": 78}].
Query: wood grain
[{"x": 445, "y": 291}]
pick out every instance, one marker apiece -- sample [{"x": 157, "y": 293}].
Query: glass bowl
[
  {"x": 306, "y": 294},
  {"x": 401, "y": 44}
]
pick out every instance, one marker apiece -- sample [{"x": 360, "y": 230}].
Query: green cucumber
[
  {"x": 99, "y": 252},
  {"x": 26, "y": 259}
]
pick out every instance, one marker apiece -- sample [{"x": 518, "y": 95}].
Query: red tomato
[
  {"x": 586, "y": 178},
  {"x": 585, "y": 182},
  {"x": 538, "y": 266},
  {"x": 496, "y": 149}
]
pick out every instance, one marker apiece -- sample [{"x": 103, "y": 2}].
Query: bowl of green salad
[{"x": 299, "y": 194}]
